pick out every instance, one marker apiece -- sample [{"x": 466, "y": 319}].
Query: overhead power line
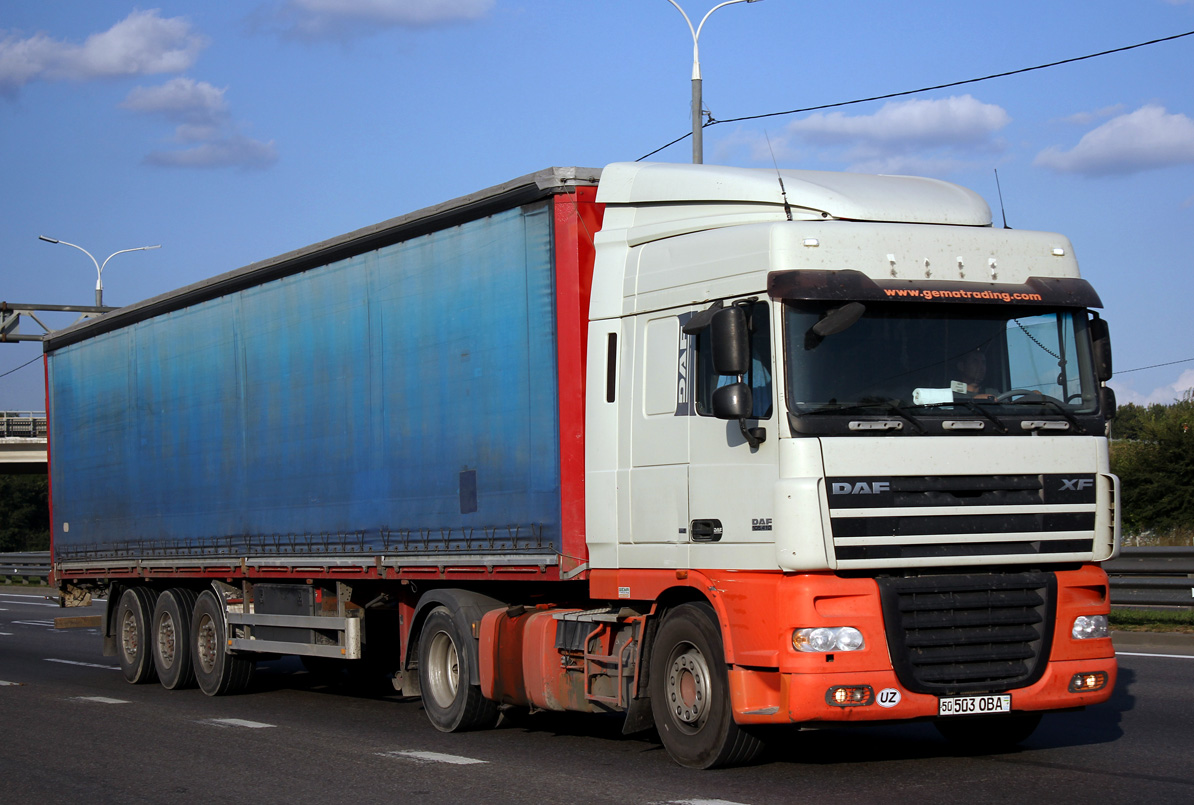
[
  {"x": 22, "y": 366},
  {"x": 1154, "y": 366},
  {"x": 713, "y": 122}
]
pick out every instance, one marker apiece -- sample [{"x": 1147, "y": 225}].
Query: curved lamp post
[
  {"x": 698, "y": 146},
  {"x": 99, "y": 269}
]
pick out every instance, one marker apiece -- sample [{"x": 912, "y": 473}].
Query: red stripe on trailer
[{"x": 577, "y": 219}]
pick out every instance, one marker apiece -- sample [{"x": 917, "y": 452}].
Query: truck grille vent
[{"x": 969, "y": 632}]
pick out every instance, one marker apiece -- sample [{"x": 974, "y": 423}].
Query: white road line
[
  {"x": 1142, "y": 654},
  {"x": 433, "y": 757},
  {"x": 32, "y": 604},
  {"x": 43, "y": 624},
  {"x": 5, "y": 634},
  {"x": 99, "y": 700},
  {"x": 702, "y": 802},
  {"x": 235, "y": 722},
  {"x": 4, "y": 684},
  {"x": 83, "y": 664}
]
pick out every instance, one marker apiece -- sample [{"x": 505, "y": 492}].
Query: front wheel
[
  {"x": 989, "y": 733},
  {"x": 690, "y": 693},
  {"x": 445, "y": 661}
]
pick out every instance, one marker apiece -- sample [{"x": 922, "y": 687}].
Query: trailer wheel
[
  {"x": 171, "y": 638},
  {"x": 988, "y": 733},
  {"x": 133, "y": 615},
  {"x": 218, "y": 671},
  {"x": 445, "y": 661},
  {"x": 690, "y": 692}
]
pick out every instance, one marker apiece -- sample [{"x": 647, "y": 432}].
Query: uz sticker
[{"x": 888, "y": 697}]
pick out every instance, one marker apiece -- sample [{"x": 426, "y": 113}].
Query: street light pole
[
  {"x": 698, "y": 145},
  {"x": 99, "y": 269}
]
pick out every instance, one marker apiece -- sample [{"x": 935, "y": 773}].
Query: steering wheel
[{"x": 1018, "y": 394}]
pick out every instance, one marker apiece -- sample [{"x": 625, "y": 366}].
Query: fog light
[
  {"x": 1088, "y": 682},
  {"x": 1087, "y": 627},
  {"x": 841, "y": 638},
  {"x": 850, "y": 695}
]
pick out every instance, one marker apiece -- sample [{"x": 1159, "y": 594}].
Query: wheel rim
[
  {"x": 443, "y": 673},
  {"x": 166, "y": 639},
  {"x": 688, "y": 683},
  {"x": 205, "y": 643},
  {"x": 129, "y": 639}
]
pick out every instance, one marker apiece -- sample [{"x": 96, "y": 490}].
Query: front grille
[
  {"x": 884, "y": 521},
  {"x": 969, "y": 632}
]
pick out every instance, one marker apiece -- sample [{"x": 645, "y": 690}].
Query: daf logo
[
  {"x": 1076, "y": 484},
  {"x": 861, "y": 488}
]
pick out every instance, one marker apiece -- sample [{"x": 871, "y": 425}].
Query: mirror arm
[{"x": 754, "y": 436}]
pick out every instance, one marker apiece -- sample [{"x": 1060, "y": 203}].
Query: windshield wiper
[
  {"x": 973, "y": 406},
  {"x": 1055, "y": 405},
  {"x": 888, "y": 406}
]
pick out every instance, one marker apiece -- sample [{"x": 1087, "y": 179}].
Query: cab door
[{"x": 730, "y": 483}]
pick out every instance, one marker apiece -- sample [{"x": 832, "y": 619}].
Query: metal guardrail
[
  {"x": 24, "y": 568},
  {"x": 1152, "y": 577},
  {"x": 23, "y": 424}
]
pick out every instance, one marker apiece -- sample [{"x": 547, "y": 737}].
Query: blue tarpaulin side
[{"x": 407, "y": 395}]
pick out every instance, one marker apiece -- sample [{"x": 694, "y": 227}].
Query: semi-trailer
[{"x": 718, "y": 449}]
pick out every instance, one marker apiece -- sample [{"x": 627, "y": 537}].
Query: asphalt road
[{"x": 74, "y": 731}]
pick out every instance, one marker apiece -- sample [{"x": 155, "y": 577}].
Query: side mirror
[
  {"x": 1100, "y": 337},
  {"x": 731, "y": 342},
  {"x": 733, "y": 401},
  {"x": 1107, "y": 402}
]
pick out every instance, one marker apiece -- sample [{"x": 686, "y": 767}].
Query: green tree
[
  {"x": 24, "y": 513},
  {"x": 1153, "y": 455}
]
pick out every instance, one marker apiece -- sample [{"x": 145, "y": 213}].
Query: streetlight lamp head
[{"x": 47, "y": 240}]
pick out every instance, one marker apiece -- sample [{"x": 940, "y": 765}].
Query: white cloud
[
  {"x": 1086, "y": 118},
  {"x": 916, "y": 136},
  {"x": 234, "y": 151},
  {"x": 143, "y": 43},
  {"x": 1162, "y": 394},
  {"x": 318, "y": 19},
  {"x": 1148, "y": 138},
  {"x": 204, "y": 124},
  {"x": 181, "y": 99}
]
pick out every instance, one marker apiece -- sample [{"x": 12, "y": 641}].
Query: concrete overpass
[{"x": 23, "y": 442}]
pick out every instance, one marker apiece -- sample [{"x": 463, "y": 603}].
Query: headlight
[
  {"x": 822, "y": 638},
  {"x": 1089, "y": 626}
]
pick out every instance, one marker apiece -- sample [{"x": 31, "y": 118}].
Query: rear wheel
[
  {"x": 690, "y": 693},
  {"x": 218, "y": 671},
  {"x": 170, "y": 641},
  {"x": 133, "y": 615},
  {"x": 989, "y": 733},
  {"x": 445, "y": 663}
]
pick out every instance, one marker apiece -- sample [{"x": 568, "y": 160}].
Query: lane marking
[
  {"x": 433, "y": 757},
  {"x": 46, "y": 624},
  {"x": 235, "y": 722},
  {"x": 4, "y": 684},
  {"x": 99, "y": 700},
  {"x": 32, "y": 604},
  {"x": 1141, "y": 654},
  {"x": 702, "y": 802},
  {"x": 83, "y": 664},
  {"x": 6, "y": 634}
]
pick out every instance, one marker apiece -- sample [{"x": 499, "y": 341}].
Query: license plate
[{"x": 974, "y": 705}]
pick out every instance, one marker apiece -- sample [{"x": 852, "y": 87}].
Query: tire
[
  {"x": 445, "y": 662},
  {"x": 170, "y": 641},
  {"x": 133, "y": 616},
  {"x": 690, "y": 693},
  {"x": 988, "y": 734},
  {"x": 218, "y": 671}
]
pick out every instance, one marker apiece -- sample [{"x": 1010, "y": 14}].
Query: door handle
[{"x": 705, "y": 530}]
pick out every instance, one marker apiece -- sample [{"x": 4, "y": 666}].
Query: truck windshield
[{"x": 930, "y": 358}]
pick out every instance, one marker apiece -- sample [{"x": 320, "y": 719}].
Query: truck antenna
[
  {"x": 780, "y": 176},
  {"x": 1002, "y": 211}
]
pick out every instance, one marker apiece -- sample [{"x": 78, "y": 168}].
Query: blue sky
[{"x": 232, "y": 132}]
